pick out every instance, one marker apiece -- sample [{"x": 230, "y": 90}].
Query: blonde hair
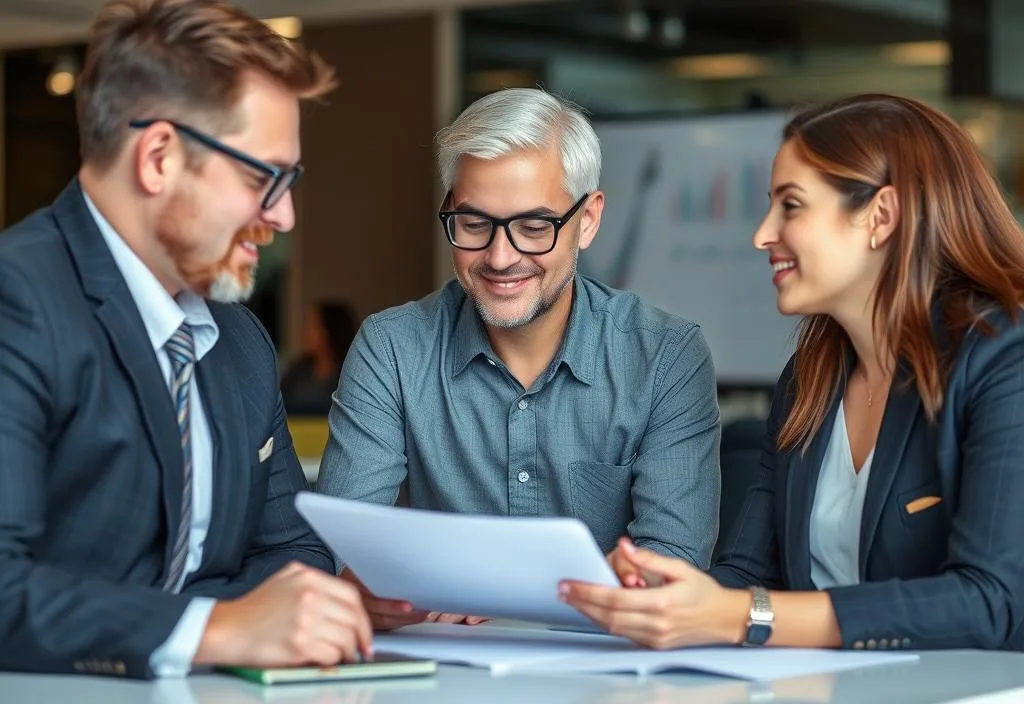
[{"x": 180, "y": 60}]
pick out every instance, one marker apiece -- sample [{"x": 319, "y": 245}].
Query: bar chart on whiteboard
[{"x": 684, "y": 197}]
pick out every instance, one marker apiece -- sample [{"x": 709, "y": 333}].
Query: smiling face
[
  {"x": 820, "y": 253},
  {"x": 213, "y": 222},
  {"x": 511, "y": 289},
  {"x": 234, "y": 277}
]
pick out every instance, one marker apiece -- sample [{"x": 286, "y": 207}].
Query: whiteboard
[{"x": 684, "y": 197}]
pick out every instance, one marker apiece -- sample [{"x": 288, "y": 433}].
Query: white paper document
[
  {"x": 494, "y": 566},
  {"x": 506, "y": 651}
]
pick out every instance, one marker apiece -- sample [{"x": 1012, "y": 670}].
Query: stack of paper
[
  {"x": 521, "y": 650},
  {"x": 494, "y": 566}
]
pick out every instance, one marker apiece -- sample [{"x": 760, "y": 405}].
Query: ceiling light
[
  {"x": 917, "y": 53},
  {"x": 672, "y": 31},
  {"x": 63, "y": 76},
  {"x": 636, "y": 25},
  {"x": 721, "y": 66}
]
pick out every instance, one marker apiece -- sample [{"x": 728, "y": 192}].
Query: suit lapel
[
  {"x": 131, "y": 344},
  {"x": 901, "y": 411},
  {"x": 801, "y": 485},
  {"x": 116, "y": 312},
  {"x": 222, "y": 399}
]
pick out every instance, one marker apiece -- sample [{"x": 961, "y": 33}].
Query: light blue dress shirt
[{"x": 162, "y": 315}]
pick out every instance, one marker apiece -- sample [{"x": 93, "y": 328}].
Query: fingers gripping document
[{"x": 494, "y": 566}]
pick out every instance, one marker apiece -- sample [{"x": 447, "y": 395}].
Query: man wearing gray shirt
[{"x": 522, "y": 388}]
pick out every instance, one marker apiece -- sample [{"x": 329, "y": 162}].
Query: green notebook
[{"x": 383, "y": 666}]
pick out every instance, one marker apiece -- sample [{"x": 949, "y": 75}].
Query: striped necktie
[{"x": 182, "y": 354}]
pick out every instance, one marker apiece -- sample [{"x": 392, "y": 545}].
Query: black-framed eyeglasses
[
  {"x": 279, "y": 180},
  {"x": 529, "y": 234}
]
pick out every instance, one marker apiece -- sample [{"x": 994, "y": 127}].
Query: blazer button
[
  {"x": 79, "y": 666},
  {"x": 872, "y": 644},
  {"x": 120, "y": 669},
  {"x": 894, "y": 643},
  {"x": 883, "y": 644},
  {"x": 859, "y": 645},
  {"x": 906, "y": 642}
]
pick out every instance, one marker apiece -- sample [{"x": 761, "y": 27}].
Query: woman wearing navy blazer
[{"x": 889, "y": 511}]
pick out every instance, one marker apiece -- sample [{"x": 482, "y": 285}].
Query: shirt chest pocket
[{"x": 601, "y": 498}]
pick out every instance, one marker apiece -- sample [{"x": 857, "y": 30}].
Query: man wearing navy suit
[{"x": 147, "y": 476}]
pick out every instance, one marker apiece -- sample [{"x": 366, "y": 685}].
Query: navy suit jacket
[
  {"x": 949, "y": 575},
  {"x": 91, "y": 463}
]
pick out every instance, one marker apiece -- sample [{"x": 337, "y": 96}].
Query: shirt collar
[
  {"x": 577, "y": 350},
  {"x": 469, "y": 340},
  {"x": 161, "y": 314},
  {"x": 579, "y": 347}
]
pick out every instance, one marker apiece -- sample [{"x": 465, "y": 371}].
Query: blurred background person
[{"x": 310, "y": 381}]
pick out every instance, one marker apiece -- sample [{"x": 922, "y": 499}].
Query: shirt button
[
  {"x": 524, "y": 477},
  {"x": 523, "y": 404}
]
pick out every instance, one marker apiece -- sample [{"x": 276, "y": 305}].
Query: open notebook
[{"x": 534, "y": 650}]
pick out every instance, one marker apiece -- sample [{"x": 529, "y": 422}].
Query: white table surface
[{"x": 947, "y": 676}]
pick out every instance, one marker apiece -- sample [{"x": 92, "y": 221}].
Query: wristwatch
[{"x": 759, "y": 627}]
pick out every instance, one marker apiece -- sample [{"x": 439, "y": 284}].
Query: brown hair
[
  {"x": 179, "y": 59},
  {"x": 957, "y": 246}
]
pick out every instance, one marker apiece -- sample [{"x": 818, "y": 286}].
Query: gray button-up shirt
[{"x": 621, "y": 431}]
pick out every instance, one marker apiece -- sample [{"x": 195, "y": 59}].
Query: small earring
[{"x": 874, "y": 242}]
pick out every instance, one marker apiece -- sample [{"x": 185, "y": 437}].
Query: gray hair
[{"x": 523, "y": 118}]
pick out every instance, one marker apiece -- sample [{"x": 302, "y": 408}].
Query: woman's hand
[
  {"x": 625, "y": 570},
  {"x": 689, "y": 608}
]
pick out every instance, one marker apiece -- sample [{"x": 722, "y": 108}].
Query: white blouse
[{"x": 836, "y": 514}]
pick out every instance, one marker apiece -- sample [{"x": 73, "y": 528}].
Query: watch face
[{"x": 758, "y": 633}]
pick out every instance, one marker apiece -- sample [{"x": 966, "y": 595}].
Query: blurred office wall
[{"x": 365, "y": 232}]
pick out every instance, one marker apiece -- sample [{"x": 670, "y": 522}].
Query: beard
[
  {"x": 227, "y": 287},
  {"x": 541, "y": 304},
  {"x": 235, "y": 284},
  {"x": 222, "y": 280}
]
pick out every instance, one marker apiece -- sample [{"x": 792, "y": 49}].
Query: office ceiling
[
  {"x": 709, "y": 25},
  {"x": 701, "y": 26},
  {"x": 33, "y": 23}
]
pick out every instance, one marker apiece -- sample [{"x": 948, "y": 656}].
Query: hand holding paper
[
  {"x": 491, "y": 566},
  {"x": 385, "y": 614},
  {"x": 389, "y": 614},
  {"x": 690, "y": 608},
  {"x": 624, "y": 569},
  {"x": 436, "y": 617}
]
